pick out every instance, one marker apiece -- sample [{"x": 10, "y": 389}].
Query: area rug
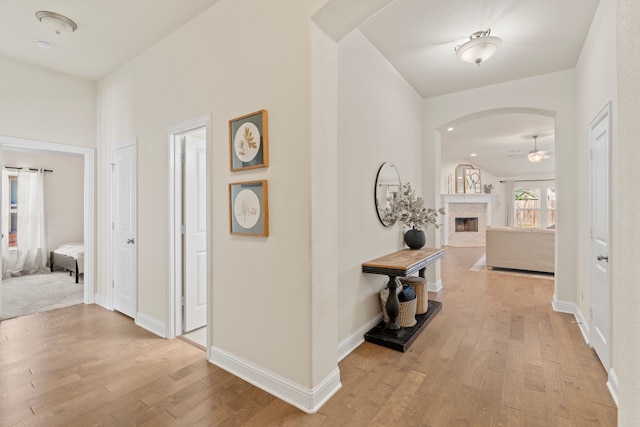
[
  {"x": 35, "y": 293},
  {"x": 481, "y": 265}
]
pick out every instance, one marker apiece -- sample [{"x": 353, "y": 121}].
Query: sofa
[{"x": 531, "y": 249}]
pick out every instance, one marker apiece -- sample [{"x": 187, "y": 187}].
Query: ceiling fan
[{"x": 534, "y": 155}]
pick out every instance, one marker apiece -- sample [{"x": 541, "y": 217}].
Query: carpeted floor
[
  {"x": 481, "y": 265},
  {"x": 31, "y": 294}
]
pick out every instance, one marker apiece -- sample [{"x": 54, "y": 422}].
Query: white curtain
[
  {"x": 31, "y": 242},
  {"x": 7, "y": 260},
  {"x": 510, "y": 195}
]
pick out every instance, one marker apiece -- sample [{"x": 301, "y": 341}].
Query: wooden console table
[{"x": 404, "y": 262}]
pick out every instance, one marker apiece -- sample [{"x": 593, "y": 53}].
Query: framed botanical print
[
  {"x": 248, "y": 141},
  {"x": 248, "y": 208}
]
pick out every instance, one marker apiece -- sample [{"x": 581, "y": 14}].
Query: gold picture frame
[
  {"x": 249, "y": 208},
  {"x": 248, "y": 141}
]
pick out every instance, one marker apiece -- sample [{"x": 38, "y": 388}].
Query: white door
[
  {"x": 195, "y": 243},
  {"x": 600, "y": 330},
  {"x": 123, "y": 203}
]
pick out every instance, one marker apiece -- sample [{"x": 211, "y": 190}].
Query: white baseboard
[
  {"x": 305, "y": 399},
  {"x": 434, "y": 286},
  {"x": 352, "y": 342},
  {"x": 572, "y": 308},
  {"x": 583, "y": 324},
  {"x": 612, "y": 385},
  {"x": 563, "y": 306},
  {"x": 102, "y": 301},
  {"x": 151, "y": 324}
]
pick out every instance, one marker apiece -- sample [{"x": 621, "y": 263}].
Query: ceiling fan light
[
  {"x": 60, "y": 24},
  {"x": 480, "y": 47}
]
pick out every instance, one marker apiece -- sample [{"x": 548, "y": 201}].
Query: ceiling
[
  {"x": 418, "y": 38},
  {"x": 501, "y": 143},
  {"x": 110, "y": 32}
]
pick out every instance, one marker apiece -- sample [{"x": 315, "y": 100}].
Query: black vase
[{"x": 415, "y": 239}]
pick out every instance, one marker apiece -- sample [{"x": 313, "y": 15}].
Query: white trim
[
  {"x": 572, "y": 308},
  {"x": 174, "y": 296},
  {"x": 102, "y": 301},
  {"x": 89, "y": 228},
  {"x": 306, "y": 399},
  {"x": 174, "y": 292},
  {"x": 612, "y": 385},
  {"x": 353, "y": 341},
  {"x": 434, "y": 286},
  {"x": 583, "y": 324},
  {"x": 88, "y": 154},
  {"x": 151, "y": 324},
  {"x": 563, "y": 306}
]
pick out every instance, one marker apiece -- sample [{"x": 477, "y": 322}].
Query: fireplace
[
  {"x": 466, "y": 225},
  {"x": 468, "y": 216}
]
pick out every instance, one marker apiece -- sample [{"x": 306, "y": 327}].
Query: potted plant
[
  {"x": 413, "y": 214},
  {"x": 487, "y": 188}
]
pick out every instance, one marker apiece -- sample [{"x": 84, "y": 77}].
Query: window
[
  {"x": 535, "y": 205},
  {"x": 551, "y": 206},
  {"x": 13, "y": 210},
  {"x": 527, "y": 207}
]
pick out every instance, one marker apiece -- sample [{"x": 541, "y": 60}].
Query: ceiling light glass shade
[
  {"x": 60, "y": 24},
  {"x": 44, "y": 44},
  {"x": 536, "y": 156},
  {"x": 480, "y": 47}
]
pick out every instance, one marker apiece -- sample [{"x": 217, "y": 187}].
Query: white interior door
[
  {"x": 600, "y": 330},
  {"x": 124, "y": 229},
  {"x": 195, "y": 242}
]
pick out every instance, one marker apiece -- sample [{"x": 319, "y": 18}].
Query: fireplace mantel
[{"x": 466, "y": 198}]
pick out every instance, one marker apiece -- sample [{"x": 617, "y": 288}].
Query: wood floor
[{"x": 496, "y": 355}]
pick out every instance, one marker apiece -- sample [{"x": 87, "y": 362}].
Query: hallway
[{"x": 497, "y": 354}]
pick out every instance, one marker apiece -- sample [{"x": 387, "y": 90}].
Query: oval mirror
[{"x": 388, "y": 191}]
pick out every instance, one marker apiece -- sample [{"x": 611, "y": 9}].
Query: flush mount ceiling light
[
  {"x": 536, "y": 155},
  {"x": 479, "y": 48},
  {"x": 59, "y": 23}
]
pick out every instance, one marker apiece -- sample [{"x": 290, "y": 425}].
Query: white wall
[
  {"x": 550, "y": 92},
  {"x": 595, "y": 87},
  {"x": 379, "y": 120},
  {"x": 63, "y": 191},
  {"x": 626, "y": 155},
  {"x": 44, "y": 105},
  {"x": 262, "y": 291}
]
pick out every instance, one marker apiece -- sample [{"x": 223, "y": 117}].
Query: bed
[{"x": 70, "y": 257}]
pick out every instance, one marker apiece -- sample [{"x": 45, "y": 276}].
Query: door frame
[
  {"x": 604, "y": 114},
  {"x": 111, "y": 306},
  {"x": 33, "y": 146},
  {"x": 174, "y": 255}
]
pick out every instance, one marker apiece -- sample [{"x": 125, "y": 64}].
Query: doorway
[
  {"x": 88, "y": 180},
  {"x": 189, "y": 205}
]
